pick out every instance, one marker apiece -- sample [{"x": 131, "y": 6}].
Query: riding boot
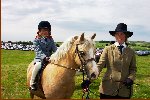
[{"x": 33, "y": 84}]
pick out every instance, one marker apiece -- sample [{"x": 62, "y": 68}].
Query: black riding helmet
[{"x": 44, "y": 24}]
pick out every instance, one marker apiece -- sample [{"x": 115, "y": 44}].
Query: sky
[{"x": 20, "y": 18}]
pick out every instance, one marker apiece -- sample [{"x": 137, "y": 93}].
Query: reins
[{"x": 79, "y": 70}]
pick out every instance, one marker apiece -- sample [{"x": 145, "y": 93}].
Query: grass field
[{"x": 13, "y": 76}]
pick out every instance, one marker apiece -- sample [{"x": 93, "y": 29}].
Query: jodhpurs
[{"x": 35, "y": 71}]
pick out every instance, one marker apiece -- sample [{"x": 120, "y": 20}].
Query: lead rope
[{"x": 83, "y": 73}]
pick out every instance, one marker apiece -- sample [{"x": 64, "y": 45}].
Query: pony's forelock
[{"x": 89, "y": 41}]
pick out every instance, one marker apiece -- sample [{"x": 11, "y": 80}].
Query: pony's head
[
  {"x": 84, "y": 55},
  {"x": 78, "y": 52}
]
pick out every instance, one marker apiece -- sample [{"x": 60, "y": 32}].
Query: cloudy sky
[{"x": 20, "y": 18}]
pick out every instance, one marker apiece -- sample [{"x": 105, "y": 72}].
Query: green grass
[
  {"x": 143, "y": 77},
  {"x": 13, "y": 72},
  {"x": 140, "y": 48},
  {"x": 100, "y": 45},
  {"x": 14, "y": 64}
]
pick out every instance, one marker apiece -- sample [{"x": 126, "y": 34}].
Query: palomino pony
[{"x": 57, "y": 80}]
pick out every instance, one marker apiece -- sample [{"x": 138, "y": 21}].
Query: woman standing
[{"x": 120, "y": 62}]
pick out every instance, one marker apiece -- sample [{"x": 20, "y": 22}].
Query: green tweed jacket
[{"x": 119, "y": 67}]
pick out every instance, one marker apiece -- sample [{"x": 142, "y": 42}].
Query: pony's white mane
[
  {"x": 62, "y": 50},
  {"x": 65, "y": 47}
]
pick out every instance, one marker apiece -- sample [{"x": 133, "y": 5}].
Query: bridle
[{"x": 81, "y": 58}]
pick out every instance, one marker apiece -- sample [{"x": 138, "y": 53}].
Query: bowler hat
[{"x": 121, "y": 27}]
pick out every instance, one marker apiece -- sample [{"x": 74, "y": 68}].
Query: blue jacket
[{"x": 43, "y": 48}]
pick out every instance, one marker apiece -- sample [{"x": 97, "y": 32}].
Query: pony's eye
[{"x": 82, "y": 53}]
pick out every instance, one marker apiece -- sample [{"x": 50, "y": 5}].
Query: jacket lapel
[{"x": 125, "y": 51}]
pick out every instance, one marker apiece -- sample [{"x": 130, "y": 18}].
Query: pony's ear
[
  {"x": 93, "y": 36},
  {"x": 82, "y": 37}
]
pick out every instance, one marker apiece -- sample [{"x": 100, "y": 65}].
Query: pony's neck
[
  {"x": 68, "y": 60},
  {"x": 65, "y": 54}
]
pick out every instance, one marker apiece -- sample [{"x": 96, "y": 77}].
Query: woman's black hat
[{"x": 121, "y": 27}]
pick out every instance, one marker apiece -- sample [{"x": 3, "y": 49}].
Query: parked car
[{"x": 142, "y": 53}]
